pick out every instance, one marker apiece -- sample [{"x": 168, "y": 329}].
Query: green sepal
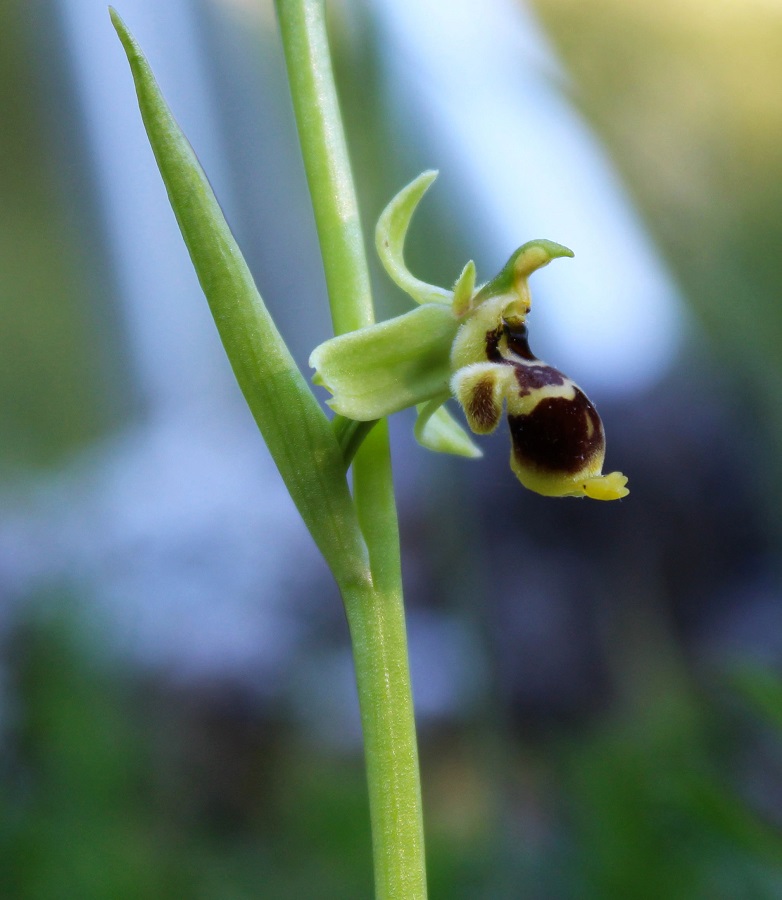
[
  {"x": 436, "y": 429},
  {"x": 523, "y": 262},
  {"x": 384, "y": 368},
  {"x": 390, "y": 235},
  {"x": 296, "y": 430}
]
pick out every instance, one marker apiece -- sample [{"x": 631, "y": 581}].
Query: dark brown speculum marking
[
  {"x": 493, "y": 345},
  {"x": 518, "y": 340},
  {"x": 531, "y": 378},
  {"x": 559, "y": 435}
]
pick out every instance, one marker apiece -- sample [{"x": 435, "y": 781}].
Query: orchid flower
[{"x": 470, "y": 343}]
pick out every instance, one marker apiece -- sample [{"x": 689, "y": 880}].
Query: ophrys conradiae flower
[{"x": 471, "y": 344}]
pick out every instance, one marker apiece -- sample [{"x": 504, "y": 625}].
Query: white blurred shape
[
  {"x": 181, "y": 537},
  {"x": 489, "y": 89},
  {"x": 172, "y": 340},
  {"x": 179, "y": 527}
]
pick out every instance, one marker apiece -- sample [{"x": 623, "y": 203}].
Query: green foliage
[
  {"x": 655, "y": 817},
  {"x": 78, "y": 817},
  {"x": 54, "y": 391},
  {"x": 95, "y": 803},
  {"x": 761, "y": 688}
]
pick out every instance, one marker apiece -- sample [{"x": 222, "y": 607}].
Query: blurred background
[{"x": 597, "y": 685}]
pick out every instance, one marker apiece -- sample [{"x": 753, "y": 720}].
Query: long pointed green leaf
[{"x": 293, "y": 425}]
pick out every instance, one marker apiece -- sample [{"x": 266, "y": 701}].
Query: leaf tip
[
  {"x": 116, "y": 21},
  {"x": 127, "y": 39}
]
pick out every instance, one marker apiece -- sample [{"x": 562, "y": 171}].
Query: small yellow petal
[{"x": 607, "y": 487}]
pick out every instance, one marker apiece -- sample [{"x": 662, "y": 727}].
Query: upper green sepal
[
  {"x": 523, "y": 262},
  {"x": 390, "y": 237}
]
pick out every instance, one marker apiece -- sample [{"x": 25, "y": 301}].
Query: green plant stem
[
  {"x": 375, "y": 615},
  {"x": 326, "y": 162}
]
